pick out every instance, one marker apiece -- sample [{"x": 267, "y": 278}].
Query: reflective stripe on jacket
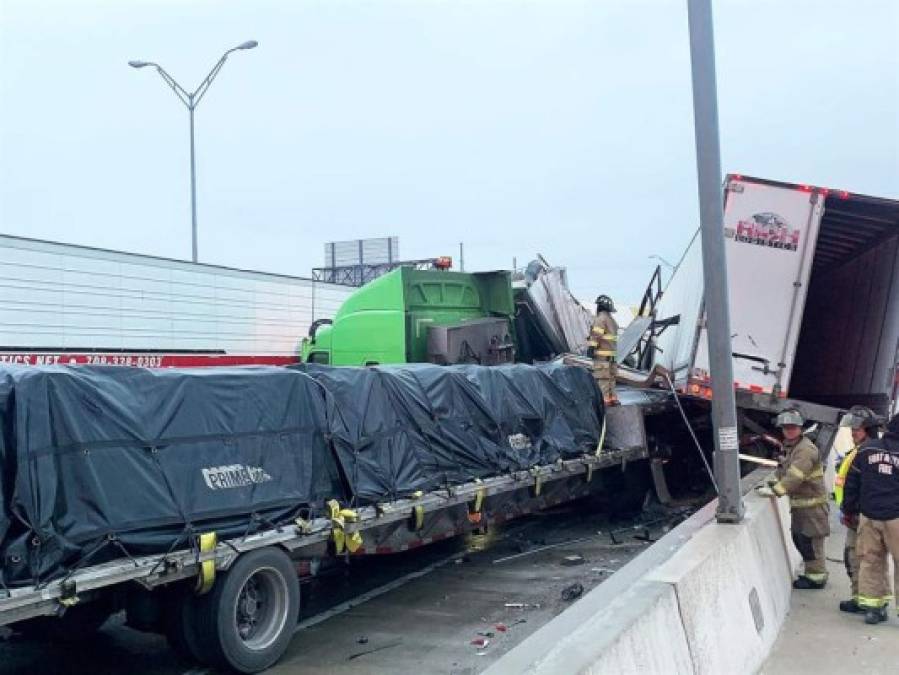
[
  {"x": 839, "y": 480},
  {"x": 801, "y": 476},
  {"x": 604, "y": 337}
]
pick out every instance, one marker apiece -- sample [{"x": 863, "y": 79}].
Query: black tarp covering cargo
[
  {"x": 103, "y": 462},
  {"x": 398, "y": 429},
  {"x": 108, "y": 459}
]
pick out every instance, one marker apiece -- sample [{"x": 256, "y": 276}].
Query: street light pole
[
  {"x": 191, "y": 100},
  {"x": 714, "y": 262},
  {"x": 193, "y": 189}
]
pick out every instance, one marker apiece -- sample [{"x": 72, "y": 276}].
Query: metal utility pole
[
  {"x": 714, "y": 262},
  {"x": 461, "y": 257},
  {"x": 192, "y": 100}
]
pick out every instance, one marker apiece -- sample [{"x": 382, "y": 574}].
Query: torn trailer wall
[{"x": 105, "y": 462}]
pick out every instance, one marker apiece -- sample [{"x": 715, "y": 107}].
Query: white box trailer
[
  {"x": 74, "y": 304},
  {"x": 813, "y": 294}
]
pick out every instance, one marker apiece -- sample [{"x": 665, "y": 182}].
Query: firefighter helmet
[
  {"x": 860, "y": 417},
  {"x": 604, "y": 304},
  {"x": 789, "y": 417}
]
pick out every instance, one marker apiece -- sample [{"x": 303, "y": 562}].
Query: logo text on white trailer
[{"x": 765, "y": 229}]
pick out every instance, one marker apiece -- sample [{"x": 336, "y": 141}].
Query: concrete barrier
[{"x": 706, "y": 598}]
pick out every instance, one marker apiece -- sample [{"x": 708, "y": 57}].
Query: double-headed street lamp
[{"x": 192, "y": 100}]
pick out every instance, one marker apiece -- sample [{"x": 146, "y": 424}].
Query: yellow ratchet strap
[
  {"x": 474, "y": 510},
  {"x": 418, "y": 511},
  {"x": 339, "y": 518},
  {"x": 206, "y": 577}
]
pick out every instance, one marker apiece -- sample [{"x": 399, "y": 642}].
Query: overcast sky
[{"x": 554, "y": 126}]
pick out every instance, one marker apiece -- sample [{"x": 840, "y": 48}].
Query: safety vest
[{"x": 839, "y": 482}]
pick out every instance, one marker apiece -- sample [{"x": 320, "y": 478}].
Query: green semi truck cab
[{"x": 390, "y": 319}]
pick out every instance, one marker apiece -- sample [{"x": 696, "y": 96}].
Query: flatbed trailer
[
  {"x": 189, "y": 593},
  {"x": 387, "y": 528}
]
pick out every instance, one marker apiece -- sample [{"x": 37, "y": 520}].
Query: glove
[
  {"x": 849, "y": 521},
  {"x": 765, "y": 491}
]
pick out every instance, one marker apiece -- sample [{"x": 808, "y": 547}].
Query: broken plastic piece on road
[
  {"x": 362, "y": 640},
  {"x": 572, "y": 592},
  {"x": 501, "y": 627},
  {"x": 480, "y": 643},
  {"x": 486, "y": 634},
  {"x": 521, "y": 605},
  {"x": 572, "y": 560}
]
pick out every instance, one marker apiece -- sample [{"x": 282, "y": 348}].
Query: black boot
[
  {"x": 850, "y": 606},
  {"x": 803, "y": 583},
  {"x": 875, "y": 616}
]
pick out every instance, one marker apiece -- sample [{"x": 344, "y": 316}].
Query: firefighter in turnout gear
[
  {"x": 801, "y": 478},
  {"x": 603, "y": 344},
  {"x": 863, "y": 424},
  {"x": 872, "y": 493}
]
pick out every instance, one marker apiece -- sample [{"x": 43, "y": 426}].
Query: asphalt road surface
[{"x": 450, "y": 608}]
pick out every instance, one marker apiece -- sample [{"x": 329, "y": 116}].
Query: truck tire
[
  {"x": 248, "y": 618},
  {"x": 180, "y": 626}
]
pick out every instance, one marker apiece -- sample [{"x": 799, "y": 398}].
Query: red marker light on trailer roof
[
  {"x": 805, "y": 188},
  {"x": 738, "y": 176},
  {"x": 843, "y": 194},
  {"x": 825, "y": 191}
]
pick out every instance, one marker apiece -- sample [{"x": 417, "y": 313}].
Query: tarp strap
[
  {"x": 69, "y": 593},
  {"x": 538, "y": 482},
  {"x": 602, "y": 437},
  {"x": 206, "y": 542},
  {"x": 339, "y": 518},
  {"x": 418, "y": 513},
  {"x": 589, "y": 472},
  {"x": 474, "y": 510}
]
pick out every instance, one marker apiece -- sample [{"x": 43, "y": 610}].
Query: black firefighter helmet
[
  {"x": 604, "y": 304},
  {"x": 860, "y": 417}
]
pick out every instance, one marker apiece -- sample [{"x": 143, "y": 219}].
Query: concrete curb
[{"x": 706, "y": 598}]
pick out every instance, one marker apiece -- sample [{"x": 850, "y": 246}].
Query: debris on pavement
[
  {"x": 572, "y": 592},
  {"x": 390, "y": 645},
  {"x": 486, "y": 634},
  {"x": 480, "y": 642},
  {"x": 362, "y": 640},
  {"x": 572, "y": 560},
  {"x": 521, "y": 605}
]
